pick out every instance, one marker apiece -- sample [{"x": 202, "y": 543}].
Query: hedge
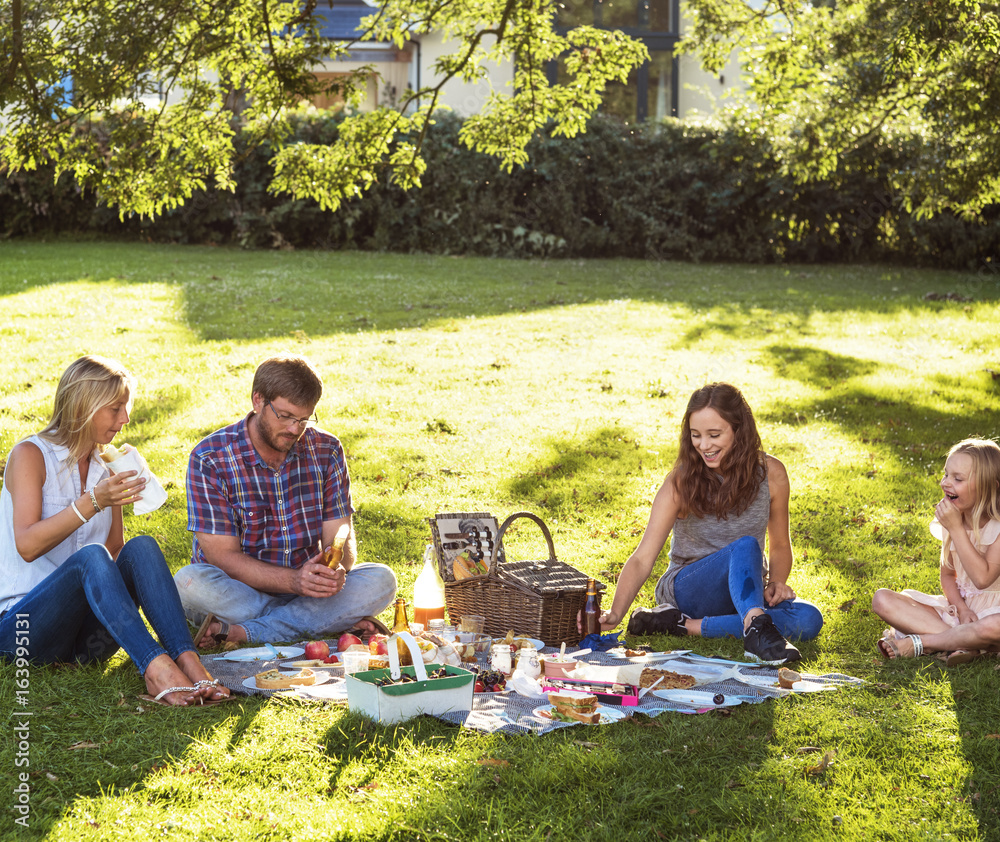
[{"x": 668, "y": 191}]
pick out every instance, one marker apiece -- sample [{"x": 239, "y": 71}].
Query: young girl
[
  {"x": 722, "y": 497},
  {"x": 967, "y": 520},
  {"x": 70, "y": 586}
]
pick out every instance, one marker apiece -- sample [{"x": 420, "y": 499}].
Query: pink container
[{"x": 552, "y": 668}]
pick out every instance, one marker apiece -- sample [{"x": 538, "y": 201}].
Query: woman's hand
[
  {"x": 609, "y": 620},
  {"x": 119, "y": 489},
  {"x": 948, "y": 516},
  {"x": 776, "y": 592}
]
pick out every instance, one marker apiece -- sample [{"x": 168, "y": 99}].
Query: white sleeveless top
[{"x": 61, "y": 487}]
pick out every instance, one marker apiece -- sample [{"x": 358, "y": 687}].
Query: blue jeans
[
  {"x": 89, "y": 607},
  {"x": 280, "y": 618},
  {"x": 723, "y": 587}
]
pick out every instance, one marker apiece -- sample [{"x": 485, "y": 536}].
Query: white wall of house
[
  {"x": 701, "y": 94},
  {"x": 464, "y": 98}
]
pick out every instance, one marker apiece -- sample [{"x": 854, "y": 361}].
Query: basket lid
[{"x": 549, "y": 577}]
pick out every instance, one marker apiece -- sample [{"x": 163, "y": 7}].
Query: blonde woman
[{"x": 71, "y": 587}]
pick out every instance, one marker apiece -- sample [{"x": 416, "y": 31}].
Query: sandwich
[
  {"x": 575, "y": 707},
  {"x": 335, "y": 552},
  {"x": 111, "y": 453},
  {"x": 465, "y": 566}
]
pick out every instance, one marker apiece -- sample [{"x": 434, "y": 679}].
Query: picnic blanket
[{"x": 512, "y": 713}]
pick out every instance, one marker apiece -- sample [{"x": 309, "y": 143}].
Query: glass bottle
[
  {"x": 428, "y": 592},
  {"x": 401, "y": 624},
  {"x": 592, "y": 610}
]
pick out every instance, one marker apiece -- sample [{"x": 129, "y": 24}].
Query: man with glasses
[{"x": 265, "y": 495}]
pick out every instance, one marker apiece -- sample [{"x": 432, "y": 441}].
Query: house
[{"x": 666, "y": 86}]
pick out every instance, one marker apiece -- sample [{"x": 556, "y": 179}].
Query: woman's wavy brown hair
[{"x": 701, "y": 490}]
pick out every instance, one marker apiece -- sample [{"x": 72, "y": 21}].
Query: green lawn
[{"x": 556, "y": 387}]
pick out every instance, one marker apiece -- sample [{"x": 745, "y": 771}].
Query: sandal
[
  {"x": 889, "y": 647},
  {"x": 220, "y": 637},
  {"x": 212, "y": 682},
  {"x": 380, "y": 627},
  {"x": 961, "y": 656}
]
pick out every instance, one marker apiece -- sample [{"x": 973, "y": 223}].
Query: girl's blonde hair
[
  {"x": 985, "y": 456},
  {"x": 87, "y": 385}
]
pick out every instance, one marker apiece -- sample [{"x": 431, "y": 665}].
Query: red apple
[
  {"x": 317, "y": 650},
  {"x": 377, "y": 646},
  {"x": 345, "y": 640}
]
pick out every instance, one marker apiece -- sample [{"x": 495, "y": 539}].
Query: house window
[{"x": 651, "y": 90}]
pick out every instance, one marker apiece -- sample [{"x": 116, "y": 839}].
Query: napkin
[{"x": 153, "y": 495}]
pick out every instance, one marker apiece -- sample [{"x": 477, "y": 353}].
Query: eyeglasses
[{"x": 287, "y": 420}]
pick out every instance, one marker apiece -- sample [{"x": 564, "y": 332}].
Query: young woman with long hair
[
  {"x": 71, "y": 586},
  {"x": 722, "y": 498}
]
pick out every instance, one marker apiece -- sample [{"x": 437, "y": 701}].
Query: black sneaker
[
  {"x": 763, "y": 642},
  {"x": 664, "y": 619}
]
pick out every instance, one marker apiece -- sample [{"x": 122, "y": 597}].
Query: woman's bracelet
[
  {"x": 93, "y": 499},
  {"x": 79, "y": 514}
]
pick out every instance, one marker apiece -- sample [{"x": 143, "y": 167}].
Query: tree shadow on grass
[
  {"x": 233, "y": 293},
  {"x": 974, "y": 691},
  {"x": 812, "y": 365}
]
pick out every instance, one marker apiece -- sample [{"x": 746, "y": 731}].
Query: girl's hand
[
  {"x": 966, "y": 615},
  {"x": 948, "y": 515},
  {"x": 776, "y": 592}
]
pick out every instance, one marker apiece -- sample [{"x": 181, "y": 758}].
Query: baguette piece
[
  {"x": 333, "y": 554},
  {"x": 277, "y": 680}
]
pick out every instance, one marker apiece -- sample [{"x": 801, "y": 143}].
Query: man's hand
[
  {"x": 317, "y": 580},
  {"x": 776, "y": 592}
]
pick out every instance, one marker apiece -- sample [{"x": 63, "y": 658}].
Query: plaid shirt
[{"x": 278, "y": 514}]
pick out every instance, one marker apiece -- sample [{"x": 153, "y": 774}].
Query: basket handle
[
  {"x": 415, "y": 656},
  {"x": 503, "y": 528}
]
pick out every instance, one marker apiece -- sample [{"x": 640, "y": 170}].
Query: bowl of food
[
  {"x": 482, "y": 643},
  {"x": 554, "y": 666}
]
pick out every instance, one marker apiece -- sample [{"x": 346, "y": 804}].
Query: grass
[{"x": 557, "y": 387}]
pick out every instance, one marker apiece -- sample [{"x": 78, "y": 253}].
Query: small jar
[
  {"x": 500, "y": 658},
  {"x": 435, "y": 626},
  {"x": 527, "y": 661}
]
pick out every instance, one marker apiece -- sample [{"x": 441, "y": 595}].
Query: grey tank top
[{"x": 694, "y": 538}]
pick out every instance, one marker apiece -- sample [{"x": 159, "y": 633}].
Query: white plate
[
  {"x": 769, "y": 681},
  {"x": 608, "y": 714},
  {"x": 649, "y": 656},
  {"x": 251, "y": 682},
  {"x": 534, "y": 641},
  {"x": 297, "y": 665},
  {"x": 695, "y": 698},
  {"x": 262, "y": 653}
]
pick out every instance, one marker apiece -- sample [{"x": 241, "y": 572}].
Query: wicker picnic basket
[{"x": 540, "y": 599}]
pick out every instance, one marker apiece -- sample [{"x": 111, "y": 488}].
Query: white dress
[{"x": 983, "y": 601}]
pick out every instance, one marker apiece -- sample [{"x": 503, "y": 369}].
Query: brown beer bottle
[
  {"x": 592, "y": 610},
  {"x": 401, "y": 624}
]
